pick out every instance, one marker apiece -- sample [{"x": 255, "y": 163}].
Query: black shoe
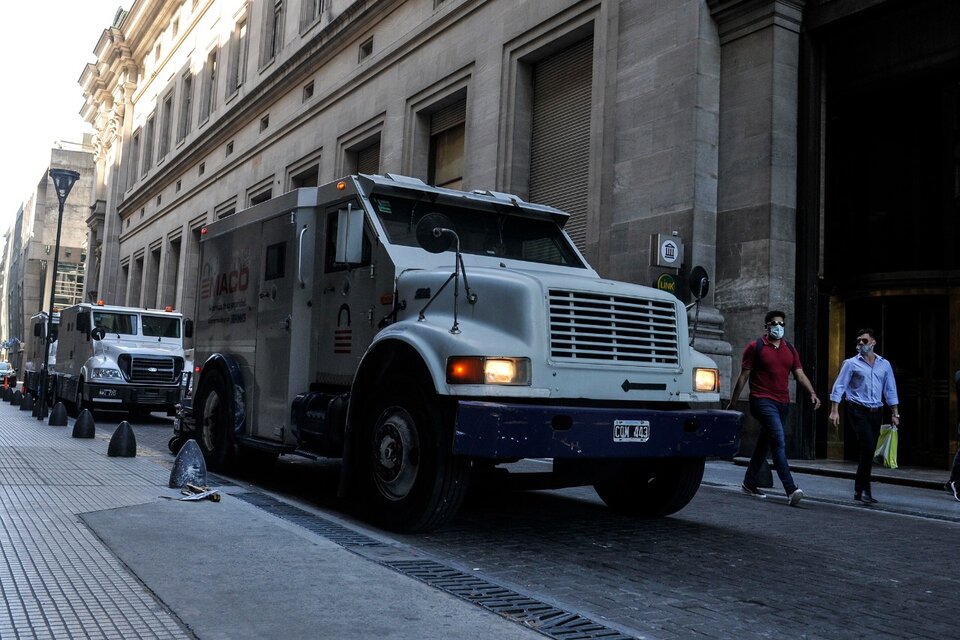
[
  {"x": 865, "y": 498},
  {"x": 751, "y": 490}
]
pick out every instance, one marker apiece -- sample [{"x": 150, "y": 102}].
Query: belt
[{"x": 866, "y": 408}]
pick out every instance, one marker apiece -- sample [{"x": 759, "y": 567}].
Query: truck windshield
[
  {"x": 481, "y": 233},
  {"x": 119, "y": 323},
  {"x": 161, "y": 326}
]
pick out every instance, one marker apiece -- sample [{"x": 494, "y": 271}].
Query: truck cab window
[
  {"x": 161, "y": 326},
  {"x": 118, "y": 323},
  {"x": 275, "y": 261},
  {"x": 330, "y": 256}
]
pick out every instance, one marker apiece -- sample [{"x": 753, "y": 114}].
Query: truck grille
[
  {"x": 598, "y": 327},
  {"x": 164, "y": 369}
]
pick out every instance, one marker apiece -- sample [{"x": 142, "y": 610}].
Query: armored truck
[
  {"x": 35, "y": 347},
  {"x": 428, "y": 336},
  {"x": 120, "y": 358}
]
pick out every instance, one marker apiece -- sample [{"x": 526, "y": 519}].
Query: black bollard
[
  {"x": 7, "y": 394},
  {"x": 123, "y": 444},
  {"x": 84, "y": 427},
  {"x": 188, "y": 467},
  {"x": 16, "y": 398},
  {"x": 26, "y": 402},
  {"x": 58, "y": 417}
]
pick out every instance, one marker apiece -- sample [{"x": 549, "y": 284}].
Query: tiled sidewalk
[{"x": 57, "y": 579}]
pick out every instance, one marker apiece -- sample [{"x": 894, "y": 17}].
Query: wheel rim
[
  {"x": 396, "y": 453},
  {"x": 211, "y": 413}
]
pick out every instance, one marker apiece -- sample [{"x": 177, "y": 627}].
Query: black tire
[
  {"x": 653, "y": 487},
  {"x": 78, "y": 404},
  {"x": 412, "y": 481},
  {"x": 175, "y": 444},
  {"x": 214, "y": 415}
]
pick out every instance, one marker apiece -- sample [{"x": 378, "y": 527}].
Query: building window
[
  {"x": 156, "y": 53},
  {"x": 186, "y": 106},
  {"x": 179, "y": 185},
  {"x": 363, "y": 157},
  {"x": 147, "y": 146},
  {"x": 365, "y": 50},
  {"x": 308, "y": 91},
  {"x": 310, "y": 11},
  {"x": 175, "y": 28},
  {"x": 230, "y": 147},
  {"x": 238, "y": 57},
  {"x": 134, "y": 161},
  {"x": 447, "y": 130},
  {"x": 308, "y": 177},
  {"x": 261, "y": 196},
  {"x": 171, "y": 275},
  {"x": 273, "y": 32},
  {"x": 202, "y": 168},
  {"x": 209, "y": 88},
  {"x": 264, "y": 123},
  {"x": 166, "y": 115}
]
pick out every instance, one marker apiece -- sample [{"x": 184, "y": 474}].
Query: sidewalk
[
  {"x": 923, "y": 478},
  {"x": 89, "y": 549}
]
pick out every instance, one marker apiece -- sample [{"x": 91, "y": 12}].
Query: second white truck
[{"x": 123, "y": 358}]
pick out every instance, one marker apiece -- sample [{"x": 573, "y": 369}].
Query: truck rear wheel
[
  {"x": 652, "y": 487},
  {"x": 214, "y": 405},
  {"x": 412, "y": 479}
]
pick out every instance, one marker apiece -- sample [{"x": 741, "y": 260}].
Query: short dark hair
[
  {"x": 866, "y": 330},
  {"x": 775, "y": 314}
]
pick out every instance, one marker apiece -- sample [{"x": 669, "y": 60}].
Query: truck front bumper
[
  {"x": 507, "y": 431},
  {"x": 131, "y": 394}
]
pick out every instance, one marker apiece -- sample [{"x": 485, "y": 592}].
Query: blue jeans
[{"x": 771, "y": 415}]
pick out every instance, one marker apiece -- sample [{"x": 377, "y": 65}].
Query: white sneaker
[{"x": 795, "y": 497}]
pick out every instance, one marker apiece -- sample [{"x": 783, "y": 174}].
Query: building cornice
[{"x": 738, "y": 18}]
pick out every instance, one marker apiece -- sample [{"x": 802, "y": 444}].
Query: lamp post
[{"x": 63, "y": 180}]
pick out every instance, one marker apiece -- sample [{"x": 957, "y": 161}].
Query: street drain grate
[
  {"x": 544, "y": 618},
  {"x": 330, "y": 530}
]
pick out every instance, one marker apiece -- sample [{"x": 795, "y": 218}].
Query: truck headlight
[
  {"x": 488, "y": 370},
  {"x": 706, "y": 380},
  {"x": 113, "y": 374}
]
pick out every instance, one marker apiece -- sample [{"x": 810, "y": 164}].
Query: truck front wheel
[
  {"x": 413, "y": 480},
  {"x": 215, "y": 420},
  {"x": 652, "y": 487}
]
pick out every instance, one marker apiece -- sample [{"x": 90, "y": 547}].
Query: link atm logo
[{"x": 228, "y": 282}]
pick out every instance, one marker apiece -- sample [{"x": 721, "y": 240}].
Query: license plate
[
  {"x": 631, "y": 430},
  {"x": 108, "y": 393}
]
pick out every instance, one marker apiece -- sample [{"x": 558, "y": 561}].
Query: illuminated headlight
[
  {"x": 113, "y": 374},
  {"x": 706, "y": 380},
  {"x": 488, "y": 370}
]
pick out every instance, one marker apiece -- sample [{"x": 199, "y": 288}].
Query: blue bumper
[{"x": 503, "y": 431}]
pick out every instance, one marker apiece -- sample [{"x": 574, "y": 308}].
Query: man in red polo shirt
[{"x": 767, "y": 364}]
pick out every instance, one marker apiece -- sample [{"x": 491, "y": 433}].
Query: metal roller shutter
[
  {"x": 368, "y": 159},
  {"x": 448, "y": 117},
  {"x": 560, "y": 140}
]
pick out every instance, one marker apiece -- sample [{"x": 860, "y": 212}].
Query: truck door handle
[
  {"x": 264, "y": 294},
  {"x": 300, "y": 259}
]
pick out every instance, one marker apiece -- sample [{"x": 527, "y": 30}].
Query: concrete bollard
[
  {"x": 188, "y": 467},
  {"x": 16, "y": 398},
  {"x": 84, "y": 427},
  {"x": 123, "y": 444},
  {"x": 58, "y": 417},
  {"x": 26, "y": 402},
  {"x": 7, "y": 394}
]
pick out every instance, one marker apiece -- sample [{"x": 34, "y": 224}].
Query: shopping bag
[{"x": 886, "y": 453}]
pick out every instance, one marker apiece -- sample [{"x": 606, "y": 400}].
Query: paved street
[{"x": 727, "y": 566}]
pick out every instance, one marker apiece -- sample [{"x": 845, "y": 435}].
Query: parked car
[{"x": 8, "y": 374}]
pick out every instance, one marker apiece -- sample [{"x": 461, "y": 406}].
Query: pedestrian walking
[
  {"x": 953, "y": 484},
  {"x": 867, "y": 381},
  {"x": 767, "y": 364}
]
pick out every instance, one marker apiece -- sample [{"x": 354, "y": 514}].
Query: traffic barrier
[
  {"x": 189, "y": 467},
  {"x": 26, "y": 402},
  {"x": 16, "y": 398},
  {"x": 84, "y": 427},
  {"x": 58, "y": 417},
  {"x": 123, "y": 443}
]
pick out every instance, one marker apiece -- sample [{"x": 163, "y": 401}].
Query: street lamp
[{"x": 63, "y": 180}]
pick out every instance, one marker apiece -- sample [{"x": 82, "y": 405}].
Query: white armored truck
[
  {"x": 35, "y": 348},
  {"x": 426, "y": 336},
  {"x": 121, "y": 358}
]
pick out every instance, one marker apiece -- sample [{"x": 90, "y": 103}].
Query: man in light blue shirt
[{"x": 867, "y": 381}]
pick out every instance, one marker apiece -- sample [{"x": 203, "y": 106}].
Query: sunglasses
[
  {"x": 777, "y": 323},
  {"x": 863, "y": 340}
]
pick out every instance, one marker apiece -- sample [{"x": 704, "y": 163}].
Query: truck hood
[{"x": 113, "y": 348}]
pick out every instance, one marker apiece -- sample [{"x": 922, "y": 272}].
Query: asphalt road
[{"x": 727, "y": 566}]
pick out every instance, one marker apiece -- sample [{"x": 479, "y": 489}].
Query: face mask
[
  {"x": 864, "y": 349},
  {"x": 776, "y": 332}
]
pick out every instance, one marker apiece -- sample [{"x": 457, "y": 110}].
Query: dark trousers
[
  {"x": 866, "y": 424},
  {"x": 955, "y": 473}
]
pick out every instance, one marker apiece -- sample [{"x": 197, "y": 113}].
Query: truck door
[{"x": 274, "y": 306}]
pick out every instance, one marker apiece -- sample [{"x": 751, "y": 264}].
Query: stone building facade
[{"x": 709, "y": 118}]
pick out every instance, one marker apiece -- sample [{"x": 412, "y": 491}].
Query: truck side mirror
[
  {"x": 98, "y": 333},
  {"x": 699, "y": 282},
  {"x": 349, "y": 236},
  {"x": 188, "y": 328},
  {"x": 431, "y": 232}
]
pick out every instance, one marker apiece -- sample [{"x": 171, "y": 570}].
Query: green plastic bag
[{"x": 886, "y": 453}]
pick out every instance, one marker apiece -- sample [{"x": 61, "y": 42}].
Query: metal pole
[{"x": 53, "y": 290}]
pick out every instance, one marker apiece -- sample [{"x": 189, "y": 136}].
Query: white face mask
[{"x": 776, "y": 332}]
